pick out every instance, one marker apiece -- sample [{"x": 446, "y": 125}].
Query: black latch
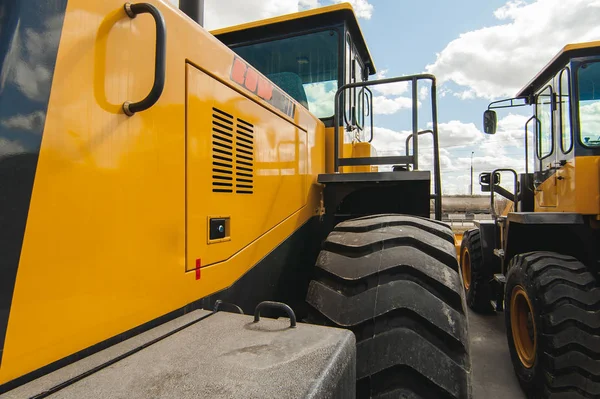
[{"x": 218, "y": 229}]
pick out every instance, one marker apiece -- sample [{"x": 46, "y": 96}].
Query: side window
[
  {"x": 564, "y": 101},
  {"x": 544, "y": 115}
]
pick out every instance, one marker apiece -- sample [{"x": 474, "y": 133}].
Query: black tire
[
  {"x": 393, "y": 280},
  {"x": 565, "y": 299},
  {"x": 476, "y": 278}
]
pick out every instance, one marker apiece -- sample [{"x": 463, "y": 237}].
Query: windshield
[
  {"x": 589, "y": 104},
  {"x": 305, "y": 67}
]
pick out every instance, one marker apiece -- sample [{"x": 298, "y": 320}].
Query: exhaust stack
[{"x": 193, "y": 9}]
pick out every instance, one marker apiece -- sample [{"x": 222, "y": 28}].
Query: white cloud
[
  {"x": 390, "y": 89},
  {"x": 387, "y": 106},
  {"x": 465, "y": 94},
  {"x": 458, "y": 134},
  {"x": 320, "y": 98},
  {"x": 8, "y": 147},
  {"x": 33, "y": 121},
  {"x": 223, "y": 13},
  {"x": 498, "y": 60},
  {"x": 308, "y": 4},
  {"x": 362, "y": 8},
  {"x": 457, "y": 141},
  {"x": 590, "y": 123}
]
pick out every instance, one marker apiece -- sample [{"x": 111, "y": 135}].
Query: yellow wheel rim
[
  {"x": 523, "y": 326},
  {"x": 465, "y": 265}
]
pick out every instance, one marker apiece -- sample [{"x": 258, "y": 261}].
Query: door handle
[{"x": 160, "y": 60}]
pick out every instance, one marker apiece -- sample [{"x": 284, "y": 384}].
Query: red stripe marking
[{"x": 198, "y": 265}]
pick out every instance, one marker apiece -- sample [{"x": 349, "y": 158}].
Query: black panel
[
  {"x": 283, "y": 275},
  {"x": 526, "y": 201},
  {"x": 217, "y": 229},
  {"x": 488, "y": 231},
  {"x": 29, "y": 37},
  {"x": 567, "y": 234}
]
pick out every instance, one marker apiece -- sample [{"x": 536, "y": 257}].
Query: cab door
[{"x": 545, "y": 151}]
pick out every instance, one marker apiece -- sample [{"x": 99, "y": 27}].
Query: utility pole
[{"x": 472, "y": 152}]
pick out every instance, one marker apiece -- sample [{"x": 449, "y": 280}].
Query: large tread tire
[
  {"x": 566, "y": 309},
  {"x": 394, "y": 281},
  {"x": 476, "y": 278}
]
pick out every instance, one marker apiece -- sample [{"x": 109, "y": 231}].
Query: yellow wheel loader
[
  {"x": 166, "y": 192},
  {"x": 539, "y": 261}
]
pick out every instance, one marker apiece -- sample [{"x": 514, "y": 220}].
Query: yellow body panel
[
  {"x": 575, "y": 187},
  {"x": 348, "y": 150},
  {"x": 112, "y": 214}
]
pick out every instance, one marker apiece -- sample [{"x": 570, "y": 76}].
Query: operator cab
[
  {"x": 320, "y": 58},
  {"x": 566, "y": 123},
  {"x": 309, "y": 55}
]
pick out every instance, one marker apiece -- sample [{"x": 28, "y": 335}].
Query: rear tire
[
  {"x": 394, "y": 281},
  {"x": 556, "y": 351},
  {"x": 476, "y": 279}
]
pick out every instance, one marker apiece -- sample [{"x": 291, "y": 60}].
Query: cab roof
[
  {"x": 297, "y": 22},
  {"x": 557, "y": 63}
]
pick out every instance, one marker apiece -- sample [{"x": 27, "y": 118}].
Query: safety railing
[{"x": 391, "y": 160}]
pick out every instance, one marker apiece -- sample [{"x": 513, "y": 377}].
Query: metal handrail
[
  {"x": 538, "y": 126},
  {"x": 160, "y": 61},
  {"x": 414, "y": 80},
  {"x": 409, "y": 137},
  {"x": 493, "y": 189}
]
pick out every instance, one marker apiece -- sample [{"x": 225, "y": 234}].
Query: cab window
[
  {"x": 304, "y": 66},
  {"x": 588, "y": 78},
  {"x": 544, "y": 115},
  {"x": 564, "y": 105}
]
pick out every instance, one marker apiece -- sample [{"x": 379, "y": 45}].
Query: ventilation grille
[
  {"x": 233, "y": 154},
  {"x": 244, "y": 157}
]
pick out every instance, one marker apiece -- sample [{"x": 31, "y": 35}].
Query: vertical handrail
[
  {"x": 415, "y": 128},
  {"x": 437, "y": 184},
  {"x": 538, "y": 125},
  {"x": 160, "y": 57},
  {"x": 436, "y": 166}
]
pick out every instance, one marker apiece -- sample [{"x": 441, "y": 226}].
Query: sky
[{"x": 479, "y": 51}]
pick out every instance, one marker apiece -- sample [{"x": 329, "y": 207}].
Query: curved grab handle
[
  {"x": 275, "y": 305},
  {"x": 219, "y": 304},
  {"x": 160, "y": 67}
]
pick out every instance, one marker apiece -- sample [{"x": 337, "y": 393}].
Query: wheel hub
[
  {"x": 523, "y": 326},
  {"x": 465, "y": 264}
]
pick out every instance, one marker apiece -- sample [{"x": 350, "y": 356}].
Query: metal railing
[{"x": 389, "y": 160}]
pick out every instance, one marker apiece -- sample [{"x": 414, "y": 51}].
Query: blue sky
[{"x": 479, "y": 50}]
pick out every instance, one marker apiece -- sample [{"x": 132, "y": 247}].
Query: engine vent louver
[
  {"x": 222, "y": 145},
  {"x": 233, "y": 154}
]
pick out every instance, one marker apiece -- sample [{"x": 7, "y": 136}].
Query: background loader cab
[{"x": 539, "y": 260}]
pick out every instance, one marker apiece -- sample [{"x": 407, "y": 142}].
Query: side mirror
[
  {"x": 489, "y": 121},
  {"x": 485, "y": 178}
]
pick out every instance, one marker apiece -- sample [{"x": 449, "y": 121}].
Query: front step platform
[
  {"x": 370, "y": 177},
  {"x": 224, "y": 355}
]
